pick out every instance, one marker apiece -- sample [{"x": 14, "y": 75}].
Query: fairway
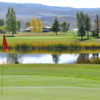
[
  {"x": 51, "y": 94},
  {"x": 38, "y": 37},
  {"x": 49, "y": 82}
]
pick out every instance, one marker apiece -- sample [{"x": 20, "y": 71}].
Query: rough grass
[{"x": 50, "y": 82}]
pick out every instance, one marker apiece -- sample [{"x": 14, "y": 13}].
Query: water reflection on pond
[{"x": 8, "y": 58}]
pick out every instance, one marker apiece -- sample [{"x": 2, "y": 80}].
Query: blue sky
[{"x": 65, "y": 3}]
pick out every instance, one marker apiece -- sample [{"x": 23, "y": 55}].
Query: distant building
[
  {"x": 74, "y": 29},
  {"x": 45, "y": 29},
  {"x": 28, "y": 29}
]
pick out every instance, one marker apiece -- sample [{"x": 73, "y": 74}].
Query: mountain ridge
[{"x": 25, "y": 12}]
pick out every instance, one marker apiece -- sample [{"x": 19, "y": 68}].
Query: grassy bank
[
  {"x": 46, "y": 82},
  {"x": 67, "y": 42}
]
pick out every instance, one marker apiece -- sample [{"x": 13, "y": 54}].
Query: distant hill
[{"x": 25, "y": 12}]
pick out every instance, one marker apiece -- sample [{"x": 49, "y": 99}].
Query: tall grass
[
  {"x": 66, "y": 43},
  {"x": 54, "y": 46}
]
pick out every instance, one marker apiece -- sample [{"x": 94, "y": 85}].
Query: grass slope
[{"x": 50, "y": 82}]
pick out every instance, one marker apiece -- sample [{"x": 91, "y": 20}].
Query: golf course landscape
[
  {"x": 49, "y": 52},
  {"x": 49, "y": 81},
  {"x": 50, "y": 40}
]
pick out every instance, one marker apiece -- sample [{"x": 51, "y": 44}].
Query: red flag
[{"x": 5, "y": 44}]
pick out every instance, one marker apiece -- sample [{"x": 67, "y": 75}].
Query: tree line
[
  {"x": 56, "y": 26},
  {"x": 10, "y": 24},
  {"x": 86, "y": 26}
]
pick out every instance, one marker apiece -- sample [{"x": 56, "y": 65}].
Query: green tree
[
  {"x": 84, "y": 24},
  {"x": 87, "y": 24},
  {"x": 1, "y": 22},
  {"x": 18, "y": 25},
  {"x": 2, "y": 29},
  {"x": 65, "y": 26},
  {"x": 97, "y": 26},
  {"x": 11, "y": 21},
  {"x": 81, "y": 24},
  {"x": 56, "y": 26},
  {"x": 2, "y": 26}
]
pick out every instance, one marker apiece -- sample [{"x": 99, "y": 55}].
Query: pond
[{"x": 83, "y": 58}]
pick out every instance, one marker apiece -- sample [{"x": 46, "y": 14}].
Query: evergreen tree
[
  {"x": 65, "y": 26},
  {"x": 81, "y": 24},
  {"x": 1, "y": 22},
  {"x": 18, "y": 25},
  {"x": 11, "y": 21},
  {"x": 2, "y": 27},
  {"x": 84, "y": 24},
  {"x": 87, "y": 21},
  {"x": 97, "y": 26},
  {"x": 56, "y": 26}
]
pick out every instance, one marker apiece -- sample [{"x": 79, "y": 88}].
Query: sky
[{"x": 62, "y": 3}]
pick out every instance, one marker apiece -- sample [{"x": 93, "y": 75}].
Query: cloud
[{"x": 67, "y": 3}]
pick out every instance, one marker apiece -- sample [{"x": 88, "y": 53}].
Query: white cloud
[{"x": 70, "y": 3}]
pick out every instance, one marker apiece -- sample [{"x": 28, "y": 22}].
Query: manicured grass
[
  {"x": 50, "y": 82},
  {"x": 41, "y": 37},
  {"x": 51, "y": 94},
  {"x": 38, "y": 40}
]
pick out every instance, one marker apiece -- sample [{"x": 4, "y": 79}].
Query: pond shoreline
[{"x": 54, "y": 46}]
